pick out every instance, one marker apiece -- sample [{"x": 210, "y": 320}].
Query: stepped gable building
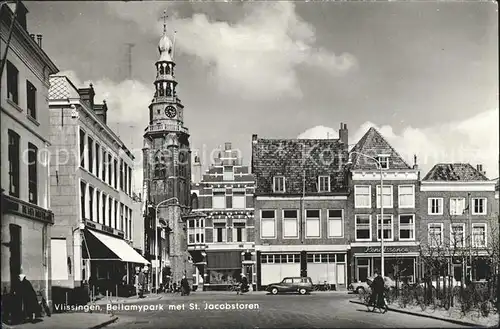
[
  {"x": 221, "y": 242},
  {"x": 400, "y": 185},
  {"x": 459, "y": 219},
  {"x": 167, "y": 172},
  {"x": 301, "y": 209}
]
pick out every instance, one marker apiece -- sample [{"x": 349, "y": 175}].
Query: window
[
  {"x": 12, "y": 83},
  {"x": 104, "y": 165},
  {"x": 479, "y": 235},
  {"x": 239, "y": 232},
  {"x": 31, "y": 99},
  {"x": 82, "y": 148},
  {"x": 121, "y": 223},
  {"x": 97, "y": 159},
  {"x": 116, "y": 214},
  {"x": 110, "y": 171},
  {"x": 435, "y": 206},
  {"x": 267, "y": 224},
  {"x": 219, "y": 200},
  {"x": 363, "y": 227},
  {"x": 384, "y": 161},
  {"x": 91, "y": 154},
  {"x": 121, "y": 174},
  {"x": 435, "y": 235},
  {"x": 479, "y": 206},
  {"x": 457, "y": 206},
  {"x": 279, "y": 184},
  {"x": 406, "y": 196},
  {"x": 83, "y": 191},
  {"x": 91, "y": 203},
  {"x": 324, "y": 184},
  {"x": 362, "y": 196},
  {"x": 228, "y": 173},
  {"x": 220, "y": 232},
  {"x": 110, "y": 211},
  {"x": 290, "y": 224},
  {"x": 14, "y": 154},
  {"x": 335, "y": 223},
  {"x": 388, "y": 227},
  {"x": 387, "y": 196},
  {"x": 457, "y": 235},
  {"x": 130, "y": 181},
  {"x": 32, "y": 173},
  {"x": 115, "y": 176},
  {"x": 312, "y": 223},
  {"x": 103, "y": 201},
  {"x": 98, "y": 206},
  {"x": 239, "y": 200},
  {"x": 406, "y": 227}
]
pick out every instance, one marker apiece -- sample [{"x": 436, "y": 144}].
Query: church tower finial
[{"x": 164, "y": 16}]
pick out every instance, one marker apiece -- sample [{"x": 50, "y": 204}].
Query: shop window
[{"x": 340, "y": 258}]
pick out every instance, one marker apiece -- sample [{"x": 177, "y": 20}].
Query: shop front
[
  {"x": 223, "y": 269},
  {"x": 399, "y": 261}
]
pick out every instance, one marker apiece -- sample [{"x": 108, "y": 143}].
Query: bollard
[
  {"x": 116, "y": 293},
  {"x": 107, "y": 295},
  {"x": 66, "y": 298},
  {"x": 93, "y": 293}
]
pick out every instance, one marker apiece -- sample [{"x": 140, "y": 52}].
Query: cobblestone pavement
[
  {"x": 67, "y": 321},
  {"x": 282, "y": 311}
]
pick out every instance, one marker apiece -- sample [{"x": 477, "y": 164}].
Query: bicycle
[
  {"x": 44, "y": 307},
  {"x": 378, "y": 304},
  {"x": 235, "y": 288}
]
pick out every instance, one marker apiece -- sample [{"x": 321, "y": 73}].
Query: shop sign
[{"x": 391, "y": 250}]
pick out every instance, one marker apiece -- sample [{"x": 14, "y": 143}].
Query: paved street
[{"x": 283, "y": 311}]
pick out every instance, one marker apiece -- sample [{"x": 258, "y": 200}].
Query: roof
[
  {"x": 291, "y": 157},
  {"x": 463, "y": 172},
  {"x": 62, "y": 88},
  {"x": 374, "y": 144}
]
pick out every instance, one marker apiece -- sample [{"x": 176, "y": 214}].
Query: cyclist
[{"x": 378, "y": 286}]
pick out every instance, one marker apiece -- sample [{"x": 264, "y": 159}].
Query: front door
[
  {"x": 249, "y": 273},
  {"x": 15, "y": 253}
]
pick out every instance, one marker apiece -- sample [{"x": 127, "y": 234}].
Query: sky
[{"x": 424, "y": 73}]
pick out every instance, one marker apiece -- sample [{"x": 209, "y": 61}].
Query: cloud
[
  {"x": 256, "y": 57},
  {"x": 128, "y": 113},
  {"x": 474, "y": 141},
  {"x": 319, "y": 132}
]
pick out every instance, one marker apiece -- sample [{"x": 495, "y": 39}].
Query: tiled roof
[
  {"x": 454, "y": 172},
  {"x": 374, "y": 144},
  {"x": 290, "y": 157},
  {"x": 62, "y": 88}
]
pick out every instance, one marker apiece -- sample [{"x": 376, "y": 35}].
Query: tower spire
[{"x": 164, "y": 16}]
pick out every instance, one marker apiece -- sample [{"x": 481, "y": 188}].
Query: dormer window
[
  {"x": 324, "y": 184},
  {"x": 279, "y": 184},
  {"x": 384, "y": 161}
]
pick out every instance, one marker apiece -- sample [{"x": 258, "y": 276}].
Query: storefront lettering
[{"x": 393, "y": 250}]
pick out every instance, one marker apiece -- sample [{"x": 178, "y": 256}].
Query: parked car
[
  {"x": 302, "y": 285},
  {"x": 362, "y": 286}
]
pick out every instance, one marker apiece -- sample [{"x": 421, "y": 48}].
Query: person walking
[
  {"x": 29, "y": 299},
  {"x": 141, "y": 281},
  {"x": 378, "y": 287},
  {"x": 184, "y": 286},
  {"x": 244, "y": 284}
]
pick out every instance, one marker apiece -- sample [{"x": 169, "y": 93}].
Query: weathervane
[{"x": 164, "y": 16}]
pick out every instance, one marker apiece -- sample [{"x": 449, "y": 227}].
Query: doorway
[
  {"x": 15, "y": 253},
  {"x": 249, "y": 273}
]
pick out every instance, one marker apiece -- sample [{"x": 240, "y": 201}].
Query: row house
[
  {"x": 91, "y": 193},
  {"x": 459, "y": 219},
  {"x": 301, "y": 200},
  {"x": 26, "y": 217},
  {"x": 221, "y": 236},
  {"x": 374, "y": 162}
]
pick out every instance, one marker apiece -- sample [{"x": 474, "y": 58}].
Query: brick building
[
  {"x": 300, "y": 209},
  {"x": 26, "y": 216},
  {"x": 400, "y": 185},
  {"x": 459, "y": 218},
  {"x": 221, "y": 235},
  {"x": 91, "y": 194}
]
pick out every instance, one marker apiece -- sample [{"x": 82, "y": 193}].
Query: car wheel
[
  {"x": 302, "y": 291},
  {"x": 360, "y": 290},
  {"x": 274, "y": 291}
]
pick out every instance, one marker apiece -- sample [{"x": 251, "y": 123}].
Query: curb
[
  {"x": 104, "y": 323},
  {"x": 462, "y": 323}
]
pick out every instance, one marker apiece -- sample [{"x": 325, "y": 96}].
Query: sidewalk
[
  {"x": 68, "y": 321},
  {"x": 452, "y": 315}
]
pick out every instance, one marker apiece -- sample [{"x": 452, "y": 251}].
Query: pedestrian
[
  {"x": 29, "y": 299},
  {"x": 141, "y": 280},
  {"x": 244, "y": 283},
  {"x": 185, "y": 286},
  {"x": 378, "y": 287}
]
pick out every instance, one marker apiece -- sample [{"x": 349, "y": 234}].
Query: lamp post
[
  {"x": 381, "y": 206},
  {"x": 157, "y": 242}
]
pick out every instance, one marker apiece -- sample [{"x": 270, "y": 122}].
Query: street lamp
[
  {"x": 157, "y": 242},
  {"x": 381, "y": 205}
]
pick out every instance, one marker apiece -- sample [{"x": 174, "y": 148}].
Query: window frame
[
  {"x": 32, "y": 170},
  {"x": 12, "y": 71},
  {"x": 218, "y": 195},
  {"x": 329, "y": 219},
  {"x": 356, "y": 203},
  {"x": 275, "y": 180},
  {"x": 239, "y": 194},
  {"x": 450, "y": 207},
  {"x": 399, "y": 196},
  {"x": 413, "y": 227},
  {"x": 391, "y": 216},
  {"x": 313, "y": 218},
  {"x": 284, "y": 219},
  {"x": 14, "y": 160},
  {"x": 485, "y": 206},
  {"x": 268, "y": 219},
  {"x": 380, "y": 200},
  {"x": 328, "y": 183},
  {"x": 356, "y": 228},
  {"x": 485, "y": 225},
  {"x": 429, "y": 206},
  {"x": 428, "y": 234},
  {"x": 30, "y": 88},
  {"x": 383, "y": 159},
  {"x": 452, "y": 239}
]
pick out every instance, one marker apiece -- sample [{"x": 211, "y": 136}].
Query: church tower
[{"x": 167, "y": 170}]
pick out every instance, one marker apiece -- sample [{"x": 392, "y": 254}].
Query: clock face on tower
[{"x": 170, "y": 111}]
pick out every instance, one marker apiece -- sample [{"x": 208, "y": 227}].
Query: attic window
[
  {"x": 279, "y": 184},
  {"x": 324, "y": 184},
  {"x": 384, "y": 161}
]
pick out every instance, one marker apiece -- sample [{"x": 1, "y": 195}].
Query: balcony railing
[
  {"x": 25, "y": 209},
  {"x": 165, "y": 127}
]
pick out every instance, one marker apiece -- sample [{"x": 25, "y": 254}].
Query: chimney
[
  {"x": 39, "y": 40},
  {"x": 254, "y": 139},
  {"x": 101, "y": 111},
  {"x": 196, "y": 170},
  {"x": 479, "y": 168},
  {"x": 415, "y": 165},
  {"x": 32, "y": 36},
  {"x": 87, "y": 96},
  {"x": 343, "y": 134},
  {"x": 227, "y": 146}
]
